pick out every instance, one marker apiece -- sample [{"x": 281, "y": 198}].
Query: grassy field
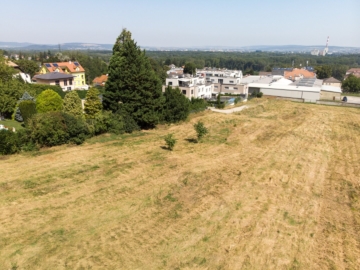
[
  {"x": 276, "y": 186},
  {"x": 11, "y": 123}
]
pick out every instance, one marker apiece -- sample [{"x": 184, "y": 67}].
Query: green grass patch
[{"x": 11, "y": 123}]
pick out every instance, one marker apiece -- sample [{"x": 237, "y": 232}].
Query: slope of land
[{"x": 275, "y": 186}]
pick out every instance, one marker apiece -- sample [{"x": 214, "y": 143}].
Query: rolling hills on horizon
[{"x": 26, "y": 46}]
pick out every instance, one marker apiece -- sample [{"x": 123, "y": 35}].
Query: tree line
[{"x": 132, "y": 100}]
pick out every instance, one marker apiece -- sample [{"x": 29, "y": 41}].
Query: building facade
[
  {"x": 65, "y": 81},
  {"x": 224, "y": 81},
  {"x": 191, "y": 87},
  {"x": 73, "y": 68}
]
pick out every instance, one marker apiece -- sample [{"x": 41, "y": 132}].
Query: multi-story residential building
[
  {"x": 65, "y": 81},
  {"x": 224, "y": 81},
  {"x": 73, "y": 68},
  {"x": 191, "y": 87}
]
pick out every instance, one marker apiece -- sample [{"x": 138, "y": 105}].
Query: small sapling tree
[
  {"x": 170, "y": 141},
  {"x": 201, "y": 130}
]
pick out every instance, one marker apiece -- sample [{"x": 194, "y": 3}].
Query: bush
[
  {"x": 49, "y": 101},
  {"x": 170, "y": 141},
  {"x": 56, "y": 128},
  {"x": 236, "y": 101},
  {"x": 105, "y": 122},
  {"x": 259, "y": 95},
  {"x": 77, "y": 129},
  {"x": 9, "y": 142},
  {"x": 27, "y": 109},
  {"x": 198, "y": 105},
  {"x": 200, "y": 129},
  {"x": 37, "y": 89},
  {"x": 130, "y": 124},
  {"x": 176, "y": 107}
]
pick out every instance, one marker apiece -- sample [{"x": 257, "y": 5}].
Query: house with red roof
[
  {"x": 100, "y": 81},
  {"x": 72, "y": 68}
]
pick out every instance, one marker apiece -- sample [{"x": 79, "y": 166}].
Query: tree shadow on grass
[
  {"x": 165, "y": 148},
  {"x": 191, "y": 140}
]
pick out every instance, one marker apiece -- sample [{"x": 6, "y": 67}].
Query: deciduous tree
[{"x": 351, "y": 84}]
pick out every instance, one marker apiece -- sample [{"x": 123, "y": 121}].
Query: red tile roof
[
  {"x": 298, "y": 72},
  {"x": 101, "y": 80},
  {"x": 71, "y": 66}
]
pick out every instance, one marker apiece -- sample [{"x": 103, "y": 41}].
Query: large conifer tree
[{"x": 132, "y": 85}]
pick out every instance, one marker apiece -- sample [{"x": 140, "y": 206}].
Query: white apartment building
[
  {"x": 224, "y": 81},
  {"x": 191, "y": 87}
]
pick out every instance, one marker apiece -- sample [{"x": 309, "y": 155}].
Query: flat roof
[
  {"x": 286, "y": 87},
  {"x": 330, "y": 88},
  {"x": 54, "y": 76}
]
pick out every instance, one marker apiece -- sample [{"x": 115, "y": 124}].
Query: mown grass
[{"x": 274, "y": 187}]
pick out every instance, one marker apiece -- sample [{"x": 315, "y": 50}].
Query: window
[
  {"x": 57, "y": 82},
  {"x": 216, "y": 86},
  {"x": 226, "y": 87},
  {"x": 82, "y": 76},
  {"x": 192, "y": 91},
  {"x": 231, "y": 81},
  {"x": 69, "y": 88},
  {"x": 184, "y": 92},
  {"x": 70, "y": 82},
  {"x": 82, "y": 82},
  {"x": 65, "y": 82},
  {"x": 235, "y": 88},
  {"x": 170, "y": 83}
]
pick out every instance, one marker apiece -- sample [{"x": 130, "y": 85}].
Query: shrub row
[{"x": 56, "y": 128}]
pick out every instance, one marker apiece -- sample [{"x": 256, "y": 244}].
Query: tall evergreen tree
[
  {"x": 132, "y": 86},
  {"x": 92, "y": 104},
  {"x": 72, "y": 104}
]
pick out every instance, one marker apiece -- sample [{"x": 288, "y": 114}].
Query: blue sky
[{"x": 183, "y": 23}]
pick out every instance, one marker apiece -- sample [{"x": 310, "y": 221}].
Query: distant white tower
[{"x": 326, "y": 50}]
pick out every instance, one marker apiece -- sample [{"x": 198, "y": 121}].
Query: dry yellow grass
[{"x": 273, "y": 187}]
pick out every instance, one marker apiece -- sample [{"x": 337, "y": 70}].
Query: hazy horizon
[{"x": 184, "y": 24}]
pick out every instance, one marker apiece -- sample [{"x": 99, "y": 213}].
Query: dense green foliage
[
  {"x": 323, "y": 72},
  {"x": 28, "y": 66},
  {"x": 176, "y": 107},
  {"x": 25, "y": 97},
  {"x": 93, "y": 104},
  {"x": 170, "y": 141},
  {"x": 133, "y": 86},
  {"x": 256, "y": 61},
  {"x": 48, "y": 101},
  {"x": 351, "y": 84},
  {"x": 10, "y": 142},
  {"x": 56, "y": 128},
  {"x": 72, "y": 104},
  {"x": 201, "y": 130},
  {"x": 190, "y": 68},
  {"x": 27, "y": 109},
  {"x": 198, "y": 105}
]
